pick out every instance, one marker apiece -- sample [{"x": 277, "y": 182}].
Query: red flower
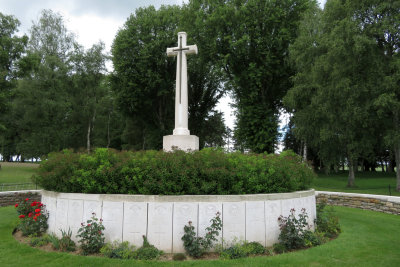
[
  {"x": 16, "y": 205},
  {"x": 35, "y": 219},
  {"x": 37, "y": 210},
  {"x": 33, "y": 204},
  {"x": 26, "y": 199},
  {"x": 30, "y": 214},
  {"x": 21, "y": 216},
  {"x": 37, "y": 215},
  {"x": 88, "y": 225},
  {"x": 40, "y": 205}
]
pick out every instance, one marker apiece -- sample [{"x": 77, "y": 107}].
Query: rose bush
[{"x": 33, "y": 217}]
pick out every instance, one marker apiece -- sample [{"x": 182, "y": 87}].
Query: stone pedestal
[{"x": 182, "y": 142}]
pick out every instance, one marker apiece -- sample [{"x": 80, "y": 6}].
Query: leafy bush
[
  {"x": 39, "y": 241},
  {"x": 194, "y": 245},
  {"x": 295, "y": 232},
  {"x": 66, "y": 243},
  {"x": 91, "y": 235},
  {"x": 209, "y": 171},
  {"x": 179, "y": 257},
  {"x": 118, "y": 250},
  {"x": 242, "y": 249},
  {"x": 326, "y": 221},
  {"x": 33, "y": 217},
  {"x": 147, "y": 251}
]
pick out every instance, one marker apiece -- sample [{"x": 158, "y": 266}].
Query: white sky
[{"x": 95, "y": 20}]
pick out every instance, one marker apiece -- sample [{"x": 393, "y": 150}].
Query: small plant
[
  {"x": 39, "y": 241},
  {"x": 327, "y": 222},
  {"x": 179, "y": 257},
  {"x": 55, "y": 242},
  {"x": 196, "y": 246},
  {"x": 33, "y": 217},
  {"x": 118, "y": 250},
  {"x": 147, "y": 251},
  {"x": 242, "y": 249},
  {"x": 66, "y": 243},
  {"x": 295, "y": 232},
  {"x": 91, "y": 236}
]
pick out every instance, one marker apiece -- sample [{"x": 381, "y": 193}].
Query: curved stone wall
[{"x": 162, "y": 218}]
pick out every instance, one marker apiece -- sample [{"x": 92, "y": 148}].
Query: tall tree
[
  {"x": 251, "y": 41},
  {"x": 11, "y": 49},
  {"x": 338, "y": 71},
  {"x": 90, "y": 88},
  {"x": 144, "y": 77},
  {"x": 44, "y": 91}
]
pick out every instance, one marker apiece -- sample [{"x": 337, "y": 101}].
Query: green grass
[
  {"x": 368, "y": 239},
  {"x": 16, "y": 172},
  {"x": 376, "y": 183}
]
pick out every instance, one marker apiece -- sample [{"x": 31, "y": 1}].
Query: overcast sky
[{"x": 93, "y": 21}]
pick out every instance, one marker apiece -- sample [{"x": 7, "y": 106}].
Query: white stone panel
[
  {"x": 75, "y": 216},
  {"x": 234, "y": 218},
  {"x": 90, "y": 207},
  {"x": 112, "y": 215},
  {"x": 207, "y": 211},
  {"x": 183, "y": 213},
  {"x": 159, "y": 231},
  {"x": 135, "y": 222},
  {"x": 287, "y": 205},
  {"x": 273, "y": 209},
  {"x": 255, "y": 221},
  {"x": 51, "y": 206},
  {"x": 61, "y": 216}
]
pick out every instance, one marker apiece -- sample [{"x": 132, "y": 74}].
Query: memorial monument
[{"x": 181, "y": 138}]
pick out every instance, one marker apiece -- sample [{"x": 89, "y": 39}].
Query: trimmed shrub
[{"x": 209, "y": 171}]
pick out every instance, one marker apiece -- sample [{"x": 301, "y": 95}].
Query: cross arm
[
  {"x": 192, "y": 49},
  {"x": 171, "y": 52}
]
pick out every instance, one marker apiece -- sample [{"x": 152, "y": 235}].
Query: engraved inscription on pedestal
[
  {"x": 90, "y": 206},
  {"x": 183, "y": 213},
  {"x": 75, "y": 216},
  {"x": 112, "y": 216},
  {"x": 135, "y": 222},
  {"x": 207, "y": 211},
  {"x": 61, "y": 216},
  {"x": 51, "y": 204},
  {"x": 234, "y": 221},
  {"x": 255, "y": 222},
  {"x": 159, "y": 230},
  {"x": 273, "y": 209}
]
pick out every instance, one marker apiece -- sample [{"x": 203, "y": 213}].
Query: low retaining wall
[
  {"x": 162, "y": 218},
  {"x": 9, "y": 198},
  {"x": 387, "y": 204}
]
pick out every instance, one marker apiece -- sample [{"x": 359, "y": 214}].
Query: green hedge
[{"x": 204, "y": 172}]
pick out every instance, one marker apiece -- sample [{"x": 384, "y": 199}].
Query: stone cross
[
  {"x": 181, "y": 91},
  {"x": 181, "y": 138}
]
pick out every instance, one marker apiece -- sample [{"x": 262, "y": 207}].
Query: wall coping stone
[
  {"x": 20, "y": 192},
  {"x": 380, "y": 197},
  {"x": 179, "y": 198}
]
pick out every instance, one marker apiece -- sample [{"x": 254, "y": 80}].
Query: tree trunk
[
  {"x": 350, "y": 181},
  {"x": 108, "y": 130},
  {"x": 397, "y": 156},
  {"x": 305, "y": 152},
  {"x": 88, "y": 137}
]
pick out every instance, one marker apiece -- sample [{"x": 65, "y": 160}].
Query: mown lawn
[
  {"x": 366, "y": 182},
  {"x": 17, "y": 172},
  {"x": 368, "y": 239}
]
